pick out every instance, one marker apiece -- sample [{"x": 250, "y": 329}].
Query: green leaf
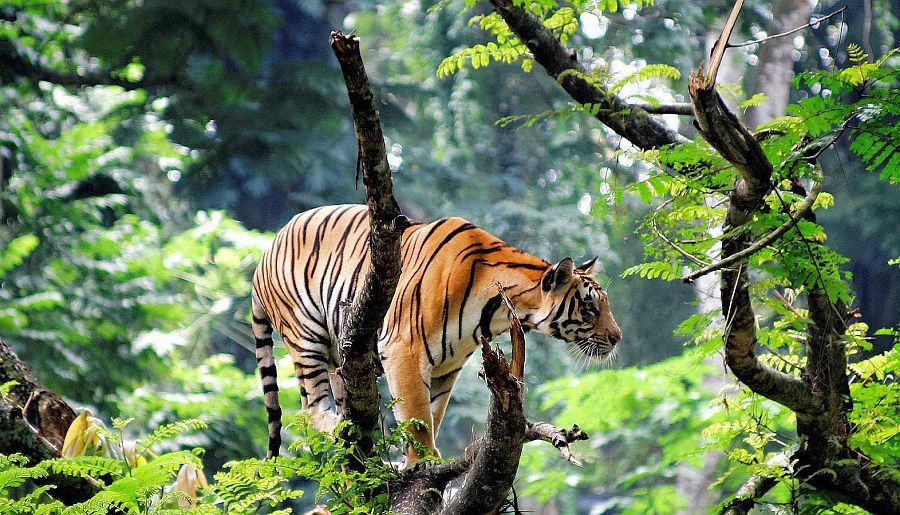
[{"x": 16, "y": 252}]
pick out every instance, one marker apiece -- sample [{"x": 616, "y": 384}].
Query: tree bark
[
  {"x": 366, "y": 314},
  {"x": 490, "y": 464},
  {"x": 629, "y": 121},
  {"x": 33, "y": 422}
]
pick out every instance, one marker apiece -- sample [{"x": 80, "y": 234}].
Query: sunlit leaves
[
  {"x": 876, "y": 400},
  {"x": 16, "y": 251},
  {"x": 651, "y": 422},
  {"x": 507, "y": 48},
  {"x": 651, "y": 71}
]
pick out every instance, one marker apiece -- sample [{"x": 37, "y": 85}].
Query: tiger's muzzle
[{"x": 599, "y": 347}]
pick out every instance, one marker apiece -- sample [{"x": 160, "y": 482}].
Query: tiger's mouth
[{"x": 598, "y": 348}]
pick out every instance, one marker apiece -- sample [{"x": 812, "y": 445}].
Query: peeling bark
[{"x": 490, "y": 477}]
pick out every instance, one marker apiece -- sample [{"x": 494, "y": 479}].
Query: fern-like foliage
[
  {"x": 651, "y": 71},
  {"x": 170, "y": 431},
  {"x": 861, "y": 101},
  {"x": 507, "y": 48}
]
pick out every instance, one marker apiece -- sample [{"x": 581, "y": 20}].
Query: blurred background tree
[{"x": 148, "y": 147}]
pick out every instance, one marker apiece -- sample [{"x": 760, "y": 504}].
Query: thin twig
[
  {"x": 765, "y": 240},
  {"x": 684, "y": 253},
  {"x": 788, "y": 33}
]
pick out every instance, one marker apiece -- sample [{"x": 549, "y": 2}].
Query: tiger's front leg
[{"x": 407, "y": 383}]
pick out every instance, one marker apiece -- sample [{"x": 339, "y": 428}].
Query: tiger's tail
[{"x": 265, "y": 361}]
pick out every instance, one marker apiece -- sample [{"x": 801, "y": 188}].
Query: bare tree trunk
[
  {"x": 366, "y": 314},
  {"x": 490, "y": 463}
]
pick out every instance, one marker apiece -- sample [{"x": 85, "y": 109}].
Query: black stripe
[
  {"x": 445, "y": 315},
  {"x": 274, "y": 445},
  {"x": 315, "y": 356},
  {"x": 465, "y": 299},
  {"x": 261, "y": 321},
  {"x": 273, "y": 387},
  {"x": 448, "y": 374},
  {"x": 269, "y": 371},
  {"x": 318, "y": 399},
  {"x": 434, "y": 227},
  {"x": 273, "y": 414},
  {"x": 487, "y": 314},
  {"x": 438, "y": 395},
  {"x": 263, "y": 343},
  {"x": 314, "y": 373},
  {"x": 320, "y": 382}
]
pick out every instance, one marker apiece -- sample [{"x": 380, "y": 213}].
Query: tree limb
[
  {"x": 718, "y": 51},
  {"x": 560, "y": 438},
  {"x": 493, "y": 471},
  {"x": 366, "y": 315},
  {"x": 746, "y": 497},
  {"x": 629, "y": 121},
  {"x": 17, "y": 66},
  {"x": 734, "y": 142},
  {"x": 681, "y": 109},
  {"x": 789, "y": 32}
]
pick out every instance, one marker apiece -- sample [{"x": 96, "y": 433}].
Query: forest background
[{"x": 149, "y": 149}]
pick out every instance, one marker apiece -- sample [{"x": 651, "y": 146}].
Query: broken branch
[
  {"x": 788, "y": 33},
  {"x": 560, "y": 438}
]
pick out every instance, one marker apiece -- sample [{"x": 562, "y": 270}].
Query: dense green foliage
[{"x": 125, "y": 255}]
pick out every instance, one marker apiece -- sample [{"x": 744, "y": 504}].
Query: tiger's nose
[{"x": 615, "y": 337}]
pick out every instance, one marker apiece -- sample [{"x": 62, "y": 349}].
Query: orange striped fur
[{"x": 445, "y": 300}]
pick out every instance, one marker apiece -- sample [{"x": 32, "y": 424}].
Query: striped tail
[{"x": 265, "y": 360}]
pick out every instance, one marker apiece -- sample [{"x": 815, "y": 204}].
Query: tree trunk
[{"x": 33, "y": 422}]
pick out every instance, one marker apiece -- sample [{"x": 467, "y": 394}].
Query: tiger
[{"x": 447, "y": 298}]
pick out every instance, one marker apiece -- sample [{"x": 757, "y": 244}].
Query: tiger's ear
[
  {"x": 588, "y": 266},
  {"x": 559, "y": 275}
]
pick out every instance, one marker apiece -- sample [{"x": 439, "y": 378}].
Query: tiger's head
[{"x": 574, "y": 308}]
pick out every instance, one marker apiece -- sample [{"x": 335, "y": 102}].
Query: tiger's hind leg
[{"x": 312, "y": 365}]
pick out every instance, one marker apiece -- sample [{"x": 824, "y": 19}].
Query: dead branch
[
  {"x": 718, "y": 52},
  {"x": 681, "y": 109},
  {"x": 560, "y": 438},
  {"x": 493, "y": 471},
  {"x": 746, "y": 497},
  {"x": 366, "y": 316},
  {"x": 789, "y": 32}
]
